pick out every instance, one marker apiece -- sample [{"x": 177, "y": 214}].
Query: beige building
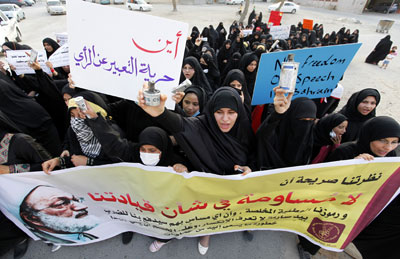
[{"x": 353, "y": 6}]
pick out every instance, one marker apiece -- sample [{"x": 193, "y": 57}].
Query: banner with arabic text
[{"x": 329, "y": 203}]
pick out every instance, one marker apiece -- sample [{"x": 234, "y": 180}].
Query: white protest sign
[
  {"x": 19, "y": 59},
  {"x": 116, "y": 57},
  {"x": 60, "y": 57},
  {"x": 62, "y": 38},
  {"x": 247, "y": 32},
  {"x": 280, "y": 32}
]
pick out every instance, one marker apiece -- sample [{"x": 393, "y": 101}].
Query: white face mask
[{"x": 151, "y": 159}]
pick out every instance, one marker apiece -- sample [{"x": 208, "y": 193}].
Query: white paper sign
[
  {"x": 60, "y": 57},
  {"x": 280, "y": 32},
  {"x": 19, "y": 59},
  {"x": 62, "y": 38},
  {"x": 247, "y": 32},
  {"x": 117, "y": 56}
]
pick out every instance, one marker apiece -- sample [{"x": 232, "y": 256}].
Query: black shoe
[
  {"x": 302, "y": 253},
  {"x": 248, "y": 236},
  {"x": 127, "y": 237},
  {"x": 21, "y": 248}
]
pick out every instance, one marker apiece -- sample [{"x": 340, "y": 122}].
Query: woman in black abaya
[
  {"x": 249, "y": 64},
  {"x": 236, "y": 79},
  {"x": 223, "y": 55},
  {"x": 30, "y": 117},
  {"x": 359, "y": 108},
  {"x": 233, "y": 63},
  {"x": 379, "y": 137},
  {"x": 223, "y": 130},
  {"x": 285, "y": 138},
  {"x": 191, "y": 69},
  {"x": 209, "y": 66},
  {"x": 50, "y": 46},
  {"x": 327, "y": 134},
  {"x": 380, "y": 51},
  {"x": 193, "y": 102}
]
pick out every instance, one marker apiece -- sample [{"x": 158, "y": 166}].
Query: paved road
[{"x": 266, "y": 244}]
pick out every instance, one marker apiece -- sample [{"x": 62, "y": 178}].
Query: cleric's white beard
[{"x": 68, "y": 225}]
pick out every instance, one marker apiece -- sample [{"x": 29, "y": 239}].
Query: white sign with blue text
[{"x": 319, "y": 72}]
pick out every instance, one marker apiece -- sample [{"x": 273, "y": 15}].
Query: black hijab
[
  {"x": 199, "y": 78},
  {"x": 159, "y": 138},
  {"x": 355, "y": 118},
  {"x": 332, "y": 37},
  {"x": 16, "y": 46},
  {"x": 53, "y": 44},
  {"x": 201, "y": 96},
  {"x": 250, "y": 76},
  {"x": 322, "y": 129},
  {"x": 288, "y": 141},
  {"x": 380, "y": 51},
  {"x": 237, "y": 74},
  {"x": 224, "y": 150},
  {"x": 213, "y": 75},
  {"x": 7, "y": 126},
  {"x": 224, "y": 54},
  {"x": 374, "y": 129}
]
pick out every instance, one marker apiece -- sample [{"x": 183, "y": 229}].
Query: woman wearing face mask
[
  {"x": 153, "y": 149},
  {"x": 327, "y": 135},
  {"x": 379, "y": 137},
  {"x": 359, "y": 108},
  {"x": 223, "y": 130},
  {"x": 248, "y": 65},
  {"x": 285, "y": 138},
  {"x": 192, "y": 70}
]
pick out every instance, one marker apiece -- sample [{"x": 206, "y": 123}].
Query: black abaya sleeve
[
  {"x": 116, "y": 147},
  {"x": 170, "y": 121},
  {"x": 24, "y": 150}
]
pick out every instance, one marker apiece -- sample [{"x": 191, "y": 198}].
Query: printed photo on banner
[
  {"x": 149, "y": 49},
  {"x": 19, "y": 59},
  {"x": 319, "y": 71},
  {"x": 329, "y": 204}
]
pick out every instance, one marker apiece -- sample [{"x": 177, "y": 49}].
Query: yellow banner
[{"x": 327, "y": 203}]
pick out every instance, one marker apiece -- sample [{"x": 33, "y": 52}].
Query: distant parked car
[
  {"x": 12, "y": 11},
  {"x": 234, "y": 1},
  {"x": 29, "y": 2},
  {"x": 105, "y": 2},
  {"x": 9, "y": 30},
  {"x": 140, "y": 5},
  {"x": 385, "y": 8},
  {"x": 17, "y": 2},
  {"x": 287, "y": 7},
  {"x": 119, "y": 1},
  {"x": 55, "y": 7}
]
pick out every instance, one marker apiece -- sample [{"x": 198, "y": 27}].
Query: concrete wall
[{"x": 353, "y": 6}]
